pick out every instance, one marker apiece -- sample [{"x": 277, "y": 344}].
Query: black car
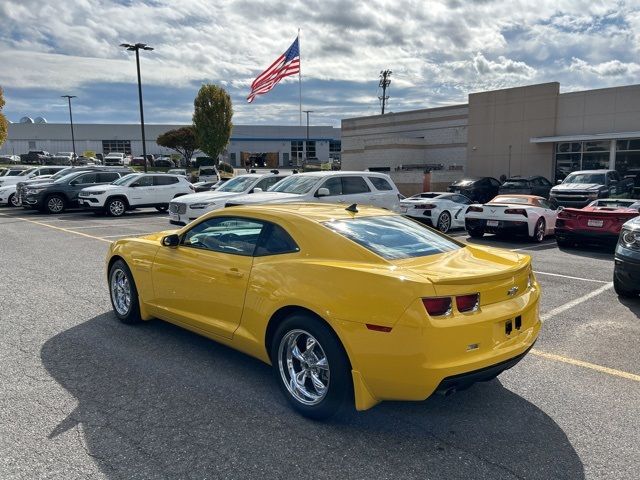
[
  {"x": 61, "y": 194},
  {"x": 535, "y": 185},
  {"x": 477, "y": 189}
]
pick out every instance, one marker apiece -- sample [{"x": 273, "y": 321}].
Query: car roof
[
  {"x": 325, "y": 173},
  {"x": 601, "y": 170},
  {"x": 529, "y": 198},
  {"x": 317, "y": 212}
]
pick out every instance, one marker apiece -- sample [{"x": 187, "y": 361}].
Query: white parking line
[
  {"x": 533, "y": 247},
  {"x": 103, "y": 225},
  {"x": 577, "y": 301},
  {"x": 570, "y": 277},
  {"x": 135, "y": 234}
]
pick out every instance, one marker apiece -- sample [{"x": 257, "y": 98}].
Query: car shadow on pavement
[{"x": 157, "y": 401}]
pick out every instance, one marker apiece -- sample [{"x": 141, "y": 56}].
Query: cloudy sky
[{"x": 439, "y": 51}]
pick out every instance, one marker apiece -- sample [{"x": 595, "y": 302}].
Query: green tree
[
  {"x": 4, "y": 126},
  {"x": 212, "y": 119},
  {"x": 182, "y": 140}
]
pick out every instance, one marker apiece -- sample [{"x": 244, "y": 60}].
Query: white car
[
  {"x": 36, "y": 172},
  {"x": 188, "y": 208},
  {"x": 441, "y": 210},
  {"x": 114, "y": 159},
  {"x": 527, "y": 215},
  {"x": 179, "y": 171},
  {"x": 135, "y": 190},
  {"x": 8, "y": 196},
  {"x": 10, "y": 159},
  {"x": 362, "y": 188}
]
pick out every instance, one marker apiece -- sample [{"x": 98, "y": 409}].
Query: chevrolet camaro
[{"x": 351, "y": 306}]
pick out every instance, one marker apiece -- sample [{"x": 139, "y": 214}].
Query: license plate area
[
  {"x": 492, "y": 223},
  {"x": 403, "y": 209},
  {"x": 595, "y": 223}
]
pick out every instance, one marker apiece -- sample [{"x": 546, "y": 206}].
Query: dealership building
[
  {"x": 275, "y": 145},
  {"x": 531, "y": 130}
]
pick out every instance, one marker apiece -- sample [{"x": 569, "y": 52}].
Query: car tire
[
  {"x": 539, "y": 231},
  {"x": 621, "y": 290},
  {"x": 476, "y": 232},
  {"x": 321, "y": 361},
  {"x": 162, "y": 208},
  {"x": 55, "y": 204},
  {"x": 444, "y": 222},
  {"x": 13, "y": 200},
  {"x": 123, "y": 293},
  {"x": 116, "y": 207}
]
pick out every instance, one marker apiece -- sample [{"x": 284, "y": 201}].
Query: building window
[
  {"x": 232, "y": 158},
  {"x": 572, "y": 156},
  {"x": 296, "y": 152},
  {"x": 311, "y": 149},
  {"x": 32, "y": 144},
  {"x": 628, "y": 155},
  {"x": 335, "y": 147},
  {"x": 122, "y": 146}
]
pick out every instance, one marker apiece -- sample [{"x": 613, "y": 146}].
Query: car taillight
[
  {"x": 192, "y": 188},
  {"x": 437, "y": 306},
  {"x": 516, "y": 211},
  {"x": 424, "y": 206},
  {"x": 468, "y": 303},
  {"x": 475, "y": 209}
]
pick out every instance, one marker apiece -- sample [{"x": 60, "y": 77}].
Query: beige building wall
[
  {"x": 501, "y": 123},
  {"x": 430, "y": 136},
  {"x": 602, "y": 111}
]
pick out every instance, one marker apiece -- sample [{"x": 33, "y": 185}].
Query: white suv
[
  {"x": 363, "y": 188},
  {"x": 114, "y": 159},
  {"x": 188, "y": 208},
  {"x": 135, "y": 190}
]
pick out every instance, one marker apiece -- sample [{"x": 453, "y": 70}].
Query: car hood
[
  {"x": 101, "y": 188},
  {"x": 206, "y": 197},
  {"x": 577, "y": 186},
  {"x": 488, "y": 271},
  {"x": 268, "y": 197},
  {"x": 4, "y": 181},
  {"x": 40, "y": 184},
  {"x": 633, "y": 224},
  {"x": 157, "y": 236}
]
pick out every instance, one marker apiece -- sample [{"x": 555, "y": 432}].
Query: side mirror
[
  {"x": 257, "y": 190},
  {"x": 558, "y": 182},
  {"x": 74, "y": 182},
  {"x": 323, "y": 192},
  {"x": 171, "y": 241}
]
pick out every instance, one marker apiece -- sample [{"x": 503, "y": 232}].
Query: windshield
[
  {"x": 516, "y": 182},
  {"x": 126, "y": 179},
  {"x": 597, "y": 178},
  {"x": 429, "y": 195},
  {"x": 26, "y": 172},
  {"x": 294, "y": 184},
  {"x": 238, "y": 184},
  {"x": 465, "y": 182},
  {"x": 61, "y": 173},
  {"x": 519, "y": 200},
  {"x": 393, "y": 237},
  {"x": 64, "y": 178}
]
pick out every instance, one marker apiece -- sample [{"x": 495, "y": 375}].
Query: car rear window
[
  {"x": 393, "y": 237},
  {"x": 380, "y": 183},
  {"x": 502, "y": 199}
]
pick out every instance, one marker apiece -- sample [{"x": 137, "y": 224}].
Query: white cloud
[{"x": 612, "y": 68}]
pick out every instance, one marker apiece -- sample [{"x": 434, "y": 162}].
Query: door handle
[{"x": 234, "y": 272}]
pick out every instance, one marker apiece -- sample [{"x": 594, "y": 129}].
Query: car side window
[
  {"x": 545, "y": 182},
  {"x": 544, "y": 204},
  {"x": 380, "y": 183},
  {"x": 494, "y": 182},
  {"x": 265, "y": 183},
  {"x": 143, "y": 182},
  {"x": 162, "y": 180},
  {"x": 107, "y": 177},
  {"x": 85, "y": 179},
  {"x": 354, "y": 185},
  {"x": 274, "y": 241},
  {"x": 234, "y": 235},
  {"x": 461, "y": 199},
  {"x": 334, "y": 185}
]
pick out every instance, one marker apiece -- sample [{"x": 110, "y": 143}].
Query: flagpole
[{"x": 300, "y": 75}]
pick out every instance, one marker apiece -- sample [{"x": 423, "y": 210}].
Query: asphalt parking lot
[{"x": 84, "y": 396}]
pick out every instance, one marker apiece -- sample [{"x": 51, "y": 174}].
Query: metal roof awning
[{"x": 585, "y": 137}]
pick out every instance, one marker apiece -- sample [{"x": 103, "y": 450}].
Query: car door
[
  {"x": 81, "y": 181},
  {"x": 142, "y": 191},
  {"x": 550, "y": 214},
  {"x": 355, "y": 189},
  {"x": 202, "y": 282},
  {"x": 165, "y": 188},
  {"x": 334, "y": 185},
  {"x": 459, "y": 204}
]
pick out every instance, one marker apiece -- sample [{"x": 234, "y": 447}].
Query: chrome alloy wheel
[
  {"x": 304, "y": 367},
  {"x": 120, "y": 291},
  {"x": 14, "y": 200},
  {"x": 116, "y": 207},
  {"x": 444, "y": 222},
  {"x": 55, "y": 205},
  {"x": 540, "y": 227}
]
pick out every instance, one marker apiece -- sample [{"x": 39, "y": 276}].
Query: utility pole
[
  {"x": 384, "y": 83},
  {"x": 73, "y": 140},
  {"x": 306, "y": 146},
  {"x": 509, "y": 170},
  {"x": 136, "y": 48}
]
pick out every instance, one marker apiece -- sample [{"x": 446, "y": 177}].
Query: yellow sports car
[{"x": 353, "y": 304}]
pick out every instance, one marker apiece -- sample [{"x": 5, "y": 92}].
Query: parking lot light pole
[
  {"x": 73, "y": 140},
  {"x": 136, "y": 48},
  {"x": 306, "y": 146}
]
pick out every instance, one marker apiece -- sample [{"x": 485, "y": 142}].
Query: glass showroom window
[
  {"x": 311, "y": 149},
  {"x": 335, "y": 146},
  {"x": 572, "y": 156},
  {"x": 628, "y": 156},
  {"x": 123, "y": 146}
]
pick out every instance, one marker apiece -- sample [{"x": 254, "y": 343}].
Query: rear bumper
[
  {"x": 585, "y": 235},
  {"x": 504, "y": 226}
]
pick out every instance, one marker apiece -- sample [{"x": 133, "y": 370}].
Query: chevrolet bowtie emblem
[{"x": 512, "y": 291}]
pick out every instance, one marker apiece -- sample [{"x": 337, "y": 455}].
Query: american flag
[{"x": 285, "y": 65}]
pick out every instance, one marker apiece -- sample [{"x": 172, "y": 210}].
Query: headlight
[
  {"x": 33, "y": 190},
  {"x": 630, "y": 239},
  {"x": 592, "y": 194},
  {"x": 96, "y": 193},
  {"x": 199, "y": 206}
]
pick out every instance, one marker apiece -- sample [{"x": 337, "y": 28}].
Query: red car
[{"x": 600, "y": 221}]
